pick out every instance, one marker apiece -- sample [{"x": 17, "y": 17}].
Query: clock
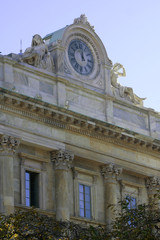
[{"x": 80, "y": 57}]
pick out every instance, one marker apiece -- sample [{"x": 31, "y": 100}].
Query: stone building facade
[{"x": 72, "y": 139}]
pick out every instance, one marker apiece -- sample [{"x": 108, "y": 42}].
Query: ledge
[{"x": 60, "y": 117}]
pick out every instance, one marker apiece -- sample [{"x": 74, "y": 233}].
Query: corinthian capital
[
  {"x": 110, "y": 171},
  {"x": 8, "y": 144},
  {"x": 62, "y": 159},
  {"x": 153, "y": 183}
]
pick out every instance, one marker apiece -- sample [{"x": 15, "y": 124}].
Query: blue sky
[{"x": 129, "y": 30}]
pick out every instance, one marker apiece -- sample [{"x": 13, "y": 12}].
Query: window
[
  {"x": 32, "y": 189},
  {"x": 131, "y": 201},
  {"x": 84, "y": 201}
]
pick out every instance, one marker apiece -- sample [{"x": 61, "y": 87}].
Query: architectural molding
[
  {"x": 62, "y": 159},
  {"x": 25, "y": 156},
  {"x": 63, "y": 118}
]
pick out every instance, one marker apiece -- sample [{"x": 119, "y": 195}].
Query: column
[
  {"x": 63, "y": 162},
  {"x": 8, "y": 146},
  {"x": 110, "y": 173},
  {"x": 153, "y": 185}
]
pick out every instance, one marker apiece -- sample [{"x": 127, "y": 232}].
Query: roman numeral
[
  {"x": 76, "y": 65},
  {"x": 71, "y": 54},
  {"x": 88, "y": 66}
]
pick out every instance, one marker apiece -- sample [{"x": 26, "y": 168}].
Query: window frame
[
  {"x": 33, "y": 180},
  {"x": 85, "y": 202},
  {"x": 27, "y": 164},
  {"x": 89, "y": 178}
]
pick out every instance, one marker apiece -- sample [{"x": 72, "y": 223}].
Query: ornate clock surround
[{"x": 96, "y": 59}]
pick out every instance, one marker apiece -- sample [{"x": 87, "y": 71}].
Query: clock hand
[{"x": 82, "y": 55}]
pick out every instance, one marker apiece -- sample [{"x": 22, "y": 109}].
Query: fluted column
[
  {"x": 8, "y": 146},
  {"x": 110, "y": 173},
  {"x": 63, "y": 162},
  {"x": 153, "y": 184}
]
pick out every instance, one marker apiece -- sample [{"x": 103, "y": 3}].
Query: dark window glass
[
  {"x": 85, "y": 201},
  {"x": 32, "y": 189}
]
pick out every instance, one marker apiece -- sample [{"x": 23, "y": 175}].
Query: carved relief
[
  {"x": 153, "y": 183},
  {"x": 122, "y": 91},
  {"x": 110, "y": 171},
  {"x": 8, "y": 144},
  {"x": 83, "y": 20},
  {"x": 38, "y": 55},
  {"x": 62, "y": 159}
]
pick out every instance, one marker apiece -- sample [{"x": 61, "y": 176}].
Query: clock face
[{"x": 80, "y": 57}]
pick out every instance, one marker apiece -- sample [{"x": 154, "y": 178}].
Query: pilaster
[
  {"x": 110, "y": 172},
  {"x": 153, "y": 184},
  {"x": 63, "y": 162},
  {"x": 8, "y": 146}
]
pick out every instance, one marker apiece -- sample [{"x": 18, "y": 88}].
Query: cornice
[
  {"x": 32, "y": 157},
  {"x": 63, "y": 118}
]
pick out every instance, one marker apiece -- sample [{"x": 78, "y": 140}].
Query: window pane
[
  {"x": 32, "y": 189},
  {"x": 27, "y": 194},
  {"x": 88, "y": 205},
  {"x": 81, "y": 188},
  {"x": 81, "y": 204},
  {"x": 82, "y": 212},
  {"x": 27, "y": 184},
  {"x": 27, "y": 202},
  {"x": 27, "y": 176},
  {"x": 87, "y": 189},
  {"x": 81, "y": 196},
  {"x": 87, "y": 198},
  {"x": 133, "y": 202},
  {"x": 88, "y": 214}
]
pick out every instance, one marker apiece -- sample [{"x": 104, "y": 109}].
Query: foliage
[
  {"x": 142, "y": 223},
  {"x": 32, "y": 225}
]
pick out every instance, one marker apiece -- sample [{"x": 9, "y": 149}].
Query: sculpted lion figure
[{"x": 38, "y": 55}]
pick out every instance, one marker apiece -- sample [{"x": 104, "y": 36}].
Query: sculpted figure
[
  {"x": 83, "y": 19},
  {"x": 38, "y": 55},
  {"x": 124, "y": 92}
]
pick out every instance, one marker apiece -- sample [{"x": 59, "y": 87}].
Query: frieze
[{"x": 74, "y": 124}]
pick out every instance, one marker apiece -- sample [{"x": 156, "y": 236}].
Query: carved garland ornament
[{"x": 62, "y": 159}]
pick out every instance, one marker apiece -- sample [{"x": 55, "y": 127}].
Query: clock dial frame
[{"x": 80, "y": 57}]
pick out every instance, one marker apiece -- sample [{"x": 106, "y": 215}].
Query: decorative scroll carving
[
  {"x": 62, "y": 159},
  {"x": 122, "y": 91},
  {"x": 38, "y": 55},
  {"x": 153, "y": 183},
  {"x": 110, "y": 171},
  {"x": 83, "y": 20},
  {"x": 8, "y": 144}
]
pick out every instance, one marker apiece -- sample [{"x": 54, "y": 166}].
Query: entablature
[{"x": 64, "y": 118}]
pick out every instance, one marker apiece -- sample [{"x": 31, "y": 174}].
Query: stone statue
[
  {"x": 83, "y": 19},
  {"x": 38, "y": 55},
  {"x": 124, "y": 92}
]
